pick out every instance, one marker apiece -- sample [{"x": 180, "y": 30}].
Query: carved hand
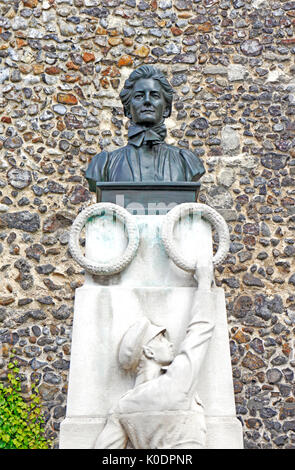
[{"x": 204, "y": 273}]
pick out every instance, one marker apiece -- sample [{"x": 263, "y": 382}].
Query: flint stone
[
  {"x": 72, "y": 122},
  {"x": 97, "y": 12},
  {"x": 219, "y": 198},
  {"x": 276, "y": 304},
  {"x": 250, "y": 280},
  {"x": 34, "y": 251},
  {"x": 51, "y": 378},
  {"x": 59, "y": 411},
  {"x": 188, "y": 58},
  {"x": 33, "y": 33},
  {"x": 215, "y": 70},
  {"x": 289, "y": 426},
  {"x": 19, "y": 23},
  {"x": 183, "y": 4},
  {"x": 288, "y": 374},
  {"x": 285, "y": 390},
  {"x": 265, "y": 231},
  {"x": 252, "y": 229},
  {"x": 172, "y": 48},
  {"x": 46, "y": 115},
  {"x": 289, "y": 6},
  {"x": 260, "y": 3},
  {"x": 45, "y": 269},
  {"x": 165, "y": 4},
  {"x": 79, "y": 194},
  {"x": 267, "y": 412},
  {"x": 264, "y": 307},
  {"x": 22, "y": 265},
  {"x": 257, "y": 345},
  {"x": 235, "y": 247},
  {"x": 12, "y": 143},
  {"x": 252, "y": 362},
  {"x": 36, "y": 330},
  {"x": 273, "y": 376},
  {"x": 45, "y": 339},
  {"x": 19, "y": 178},
  {"x": 32, "y": 351},
  {"x": 46, "y": 300},
  {"x": 287, "y": 410},
  {"x": 2, "y": 314},
  {"x": 4, "y": 207},
  {"x": 279, "y": 360},
  {"x": 199, "y": 123},
  {"x": 66, "y": 29},
  {"x": 291, "y": 316},
  {"x": 55, "y": 187},
  {"x": 262, "y": 255},
  {"x": 60, "y": 220},
  {"x": 36, "y": 314},
  {"x": 59, "y": 109},
  {"x": 158, "y": 52},
  {"x": 274, "y": 161},
  {"x": 24, "y": 220},
  {"x": 232, "y": 282},
  {"x": 289, "y": 251},
  {"x": 91, "y": 3},
  {"x": 47, "y": 392},
  {"x": 38, "y": 191},
  {"x": 61, "y": 364},
  {"x": 4, "y": 74},
  {"x": 251, "y": 47},
  {"x": 8, "y": 337},
  {"x": 64, "y": 238},
  {"x": 25, "y": 301},
  {"x": 230, "y": 139},
  {"x": 236, "y": 72},
  {"x": 3, "y": 166},
  {"x": 244, "y": 256},
  {"x": 64, "y": 145},
  {"x": 238, "y": 3},
  {"x": 62, "y": 313}
]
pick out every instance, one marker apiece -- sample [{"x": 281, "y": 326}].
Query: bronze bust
[{"x": 147, "y": 101}]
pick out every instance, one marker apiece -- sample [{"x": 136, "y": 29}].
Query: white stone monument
[{"x": 139, "y": 268}]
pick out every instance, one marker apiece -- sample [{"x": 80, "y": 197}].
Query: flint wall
[{"x": 62, "y": 65}]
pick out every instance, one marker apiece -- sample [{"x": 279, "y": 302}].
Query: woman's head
[{"x": 146, "y": 72}]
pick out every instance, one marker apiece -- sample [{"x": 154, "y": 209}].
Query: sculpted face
[
  {"x": 148, "y": 105},
  {"x": 160, "y": 350}
]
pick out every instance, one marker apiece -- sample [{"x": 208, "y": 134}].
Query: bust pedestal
[{"x": 105, "y": 306}]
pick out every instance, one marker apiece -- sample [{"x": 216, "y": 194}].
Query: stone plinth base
[
  {"x": 80, "y": 433},
  {"x": 105, "y": 307}
]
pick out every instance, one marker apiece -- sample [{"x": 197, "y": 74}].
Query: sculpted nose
[{"x": 147, "y": 98}]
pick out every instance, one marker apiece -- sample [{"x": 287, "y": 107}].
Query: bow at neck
[{"x": 139, "y": 135}]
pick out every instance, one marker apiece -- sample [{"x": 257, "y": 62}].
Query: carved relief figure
[
  {"x": 163, "y": 410},
  {"x": 147, "y": 101}
]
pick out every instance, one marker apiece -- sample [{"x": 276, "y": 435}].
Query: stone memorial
[{"x": 150, "y": 362}]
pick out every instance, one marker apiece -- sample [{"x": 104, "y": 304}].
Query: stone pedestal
[{"x": 105, "y": 306}]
